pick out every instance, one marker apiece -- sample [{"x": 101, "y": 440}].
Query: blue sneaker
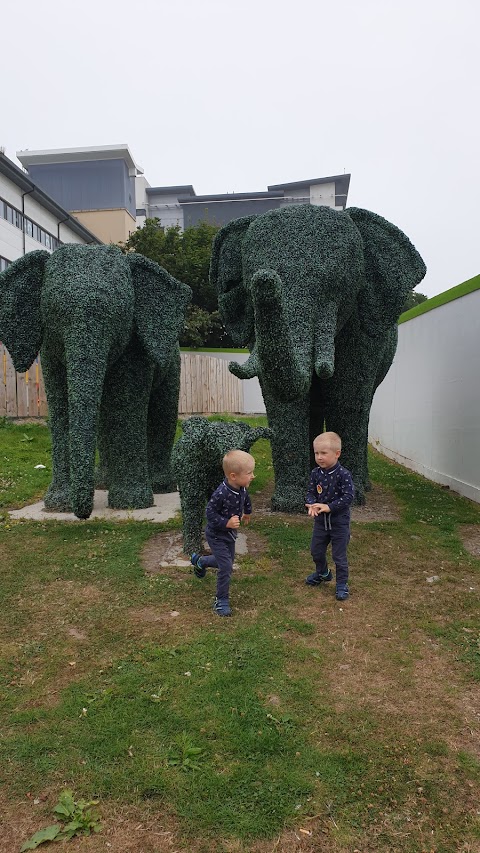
[
  {"x": 315, "y": 579},
  {"x": 342, "y": 592},
  {"x": 222, "y": 607},
  {"x": 198, "y": 570}
]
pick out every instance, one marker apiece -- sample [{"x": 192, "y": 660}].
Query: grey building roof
[
  {"x": 184, "y": 199},
  {"x": 342, "y": 183},
  {"x": 14, "y": 174},
  {"x": 185, "y": 189},
  {"x": 82, "y": 155}
]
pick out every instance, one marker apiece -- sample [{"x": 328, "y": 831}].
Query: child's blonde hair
[
  {"x": 236, "y": 461},
  {"x": 333, "y": 439}
]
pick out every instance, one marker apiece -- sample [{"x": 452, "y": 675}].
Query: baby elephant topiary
[{"x": 197, "y": 463}]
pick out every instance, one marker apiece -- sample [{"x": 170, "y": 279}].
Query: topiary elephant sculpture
[
  {"x": 107, "y": 327},
  {"x": 315, "y": 294},
  {"x": 197, "y": 464}
]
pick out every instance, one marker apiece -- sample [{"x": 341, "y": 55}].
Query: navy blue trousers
[
  {"x": 222, "y": 546},
  {"x": 339, "y": 536}
]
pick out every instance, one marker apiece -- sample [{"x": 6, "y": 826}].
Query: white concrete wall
[
  {"x": 166, "y": 208},
  {"x": 252, "y": 395},
  {"x": 11, "y": 237},
  {"x": 426, "y": 412},
  {"x": 69, "y": 236},
  {"x": 323, "y": 194},
  {"x": 11, "y": 245},
  {"x": 141, "y": 185}
]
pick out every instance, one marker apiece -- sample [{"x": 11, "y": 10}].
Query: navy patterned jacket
[
  {"x": 224, "y": 503},
  {"x": 332, "y": 486}
]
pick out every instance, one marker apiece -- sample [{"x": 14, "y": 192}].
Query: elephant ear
[
  {"x": 226, "y": 275},
  {"x": 160, "y": 306},
  {"x": 393, "y": 267},
  {"x": 21, "y": 328}
]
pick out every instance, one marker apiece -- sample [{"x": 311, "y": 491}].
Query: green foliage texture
[
  {"x": 315, "y": 294},
  {"x": 197, "y": 464},
  {"x": 108, "y": 326}
]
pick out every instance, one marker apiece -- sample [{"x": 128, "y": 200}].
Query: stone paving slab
[{"x": 165, "y": 507}]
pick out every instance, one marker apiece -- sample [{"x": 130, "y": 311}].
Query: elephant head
[
  {"x": 39, "y": 285},
  {"x": 289, "y": 280},
  {"x": 83, "y": 306}
]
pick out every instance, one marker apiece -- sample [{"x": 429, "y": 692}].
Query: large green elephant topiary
[
  {"x": 197, "y": 463},
  {"x": 107, "y": 327},
  {"x": 315, "y": 294}
]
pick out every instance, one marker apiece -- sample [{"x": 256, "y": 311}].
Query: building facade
[
  {"x": 96, "y": 185},
  {"x": 181, "y": 206},
  {"x": 106, "y": 190},
  {"x": 30, "y": 219}
]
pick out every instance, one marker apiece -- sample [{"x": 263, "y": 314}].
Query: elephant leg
[
  {"x": 349, "y": 399},
  {"x": 162, "y": 424},
  {"x": 193, "y": 503},
  {"x": 290, "y": 451},
  {"x": 123, "y": 429},
  {"x": 55, "y": 378}
]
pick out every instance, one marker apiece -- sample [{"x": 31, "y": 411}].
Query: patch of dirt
[
  {"x": 470, "y": 537},
  {"x": 380, "y": 505},
  {"x": 163, "y": 554},
  {"x": 125, "y": 830}
]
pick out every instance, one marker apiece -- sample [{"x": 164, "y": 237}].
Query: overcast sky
[{"x": 234, "y": 96}]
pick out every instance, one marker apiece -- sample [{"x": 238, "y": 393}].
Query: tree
[
  {"x": 412, "y": 300},
  {"x": 186, "y": 255}
]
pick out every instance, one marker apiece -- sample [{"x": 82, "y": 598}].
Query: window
[
  {"x": 18, "y": 220},
  {"x": 4, "y": 264}
]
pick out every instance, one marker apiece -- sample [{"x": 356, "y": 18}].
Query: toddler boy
[
  {"x": 229, "y": 505},
  {"x": 329, "y": 498}
]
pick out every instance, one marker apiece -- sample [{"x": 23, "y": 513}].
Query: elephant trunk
[
  {"x": 85, "y": 379},
  {"x": 288, "y": 363},
  {"x": 325, "y": 329},
  {"x": 248, "y": 369}
]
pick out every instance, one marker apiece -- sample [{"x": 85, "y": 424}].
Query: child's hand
[
  {"x": 246, "y": 519},
  {"x": 233, "y": 521},
  {"x": 317, "y": 509}
]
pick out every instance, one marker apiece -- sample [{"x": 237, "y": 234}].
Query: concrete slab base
[{"x": 165, "y": 507}]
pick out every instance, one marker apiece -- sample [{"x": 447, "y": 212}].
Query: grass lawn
[{"x": 301, "y": 724}]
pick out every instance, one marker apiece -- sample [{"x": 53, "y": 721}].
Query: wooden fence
[{"x": 206, "y": 387}]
